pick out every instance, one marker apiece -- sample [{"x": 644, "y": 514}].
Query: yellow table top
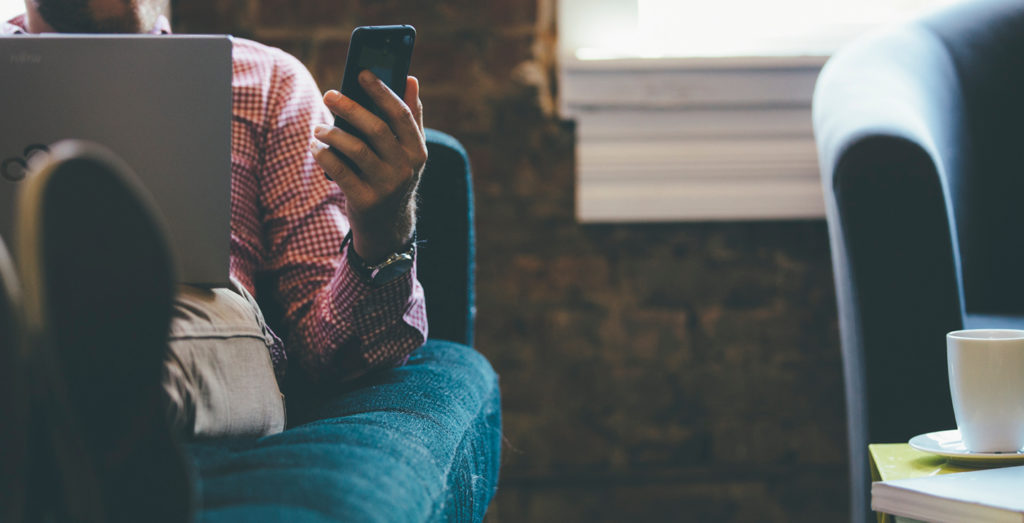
[{"x": 901, "y": 461}]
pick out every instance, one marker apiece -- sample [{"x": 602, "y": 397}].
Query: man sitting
[{"x": 90, "y": 327}]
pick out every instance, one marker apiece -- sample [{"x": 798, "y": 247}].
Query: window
[
  {"x": 603, "y": 29},
  {"x": 692, "y": 110},
  {"x": 11, "y": 8}
]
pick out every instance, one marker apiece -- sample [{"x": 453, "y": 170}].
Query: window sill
[{"x": 694, "y": 139}]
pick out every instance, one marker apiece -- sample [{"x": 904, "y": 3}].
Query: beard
[{"x": 112, "y": 16}]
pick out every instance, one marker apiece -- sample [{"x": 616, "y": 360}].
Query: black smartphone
[{"x": 386, "y": 50}]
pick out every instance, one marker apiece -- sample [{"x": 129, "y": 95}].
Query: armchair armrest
[{"x": 888, "y": 125}]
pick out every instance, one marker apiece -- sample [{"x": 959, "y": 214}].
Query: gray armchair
[{"x": 920, "y": 133}]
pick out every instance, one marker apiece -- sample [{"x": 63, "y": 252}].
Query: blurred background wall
[{"x": 678, "y": 371}]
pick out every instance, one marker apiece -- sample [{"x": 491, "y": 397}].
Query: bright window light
[
  {"x": 596, "y": 29},
  {"x": 11, "y": 8}
]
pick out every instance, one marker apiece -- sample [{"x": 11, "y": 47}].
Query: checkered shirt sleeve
[{"x": 288, "y": 221}]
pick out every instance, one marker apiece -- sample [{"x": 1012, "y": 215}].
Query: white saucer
[{"x": 949, "y": 444}]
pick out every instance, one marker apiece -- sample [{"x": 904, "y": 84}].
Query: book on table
[{"x": 913, "y": 484}]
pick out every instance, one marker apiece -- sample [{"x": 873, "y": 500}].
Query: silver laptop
[{"x": 162, "y": 103}]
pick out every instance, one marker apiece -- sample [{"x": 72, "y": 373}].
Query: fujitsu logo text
[{"x": 26, "y": 58}]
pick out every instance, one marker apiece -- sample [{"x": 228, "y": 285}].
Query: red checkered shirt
[{"x": 288, "y": 222}]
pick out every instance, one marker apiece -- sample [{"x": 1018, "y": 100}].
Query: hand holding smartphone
[
  {"x": 385, "y": 50},
  {"x": 378, "y": 171}
]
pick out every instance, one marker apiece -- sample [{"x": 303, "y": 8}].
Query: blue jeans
[{"x": 421, "y": 442}]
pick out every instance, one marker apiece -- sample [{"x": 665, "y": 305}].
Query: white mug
[{"x": 986, "y": 380}]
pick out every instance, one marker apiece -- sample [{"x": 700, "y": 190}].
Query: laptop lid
[{"x": 160, "y": 102}]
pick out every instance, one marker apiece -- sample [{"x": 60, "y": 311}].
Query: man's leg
[
  {"x": 219, "y": 377},
  {"x": 98, "y": 284}
]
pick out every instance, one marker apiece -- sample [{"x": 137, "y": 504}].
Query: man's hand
[{"x": 381, "y": 197}]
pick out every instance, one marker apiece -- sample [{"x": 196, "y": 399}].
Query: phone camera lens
[{"x": 407, "y": 40}]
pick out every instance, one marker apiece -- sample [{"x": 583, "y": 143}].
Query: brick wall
[{"x": 649, "y": 372}]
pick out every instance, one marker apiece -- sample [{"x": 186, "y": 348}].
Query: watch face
[
  {"x": 391, "y": 268},
  {"x": 392, "y": 271}
]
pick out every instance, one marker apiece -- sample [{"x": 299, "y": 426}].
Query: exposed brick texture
[{"x": 656, "y": 372}]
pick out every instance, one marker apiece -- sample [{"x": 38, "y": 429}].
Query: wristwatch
[{"x": 393, "y": 266}]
